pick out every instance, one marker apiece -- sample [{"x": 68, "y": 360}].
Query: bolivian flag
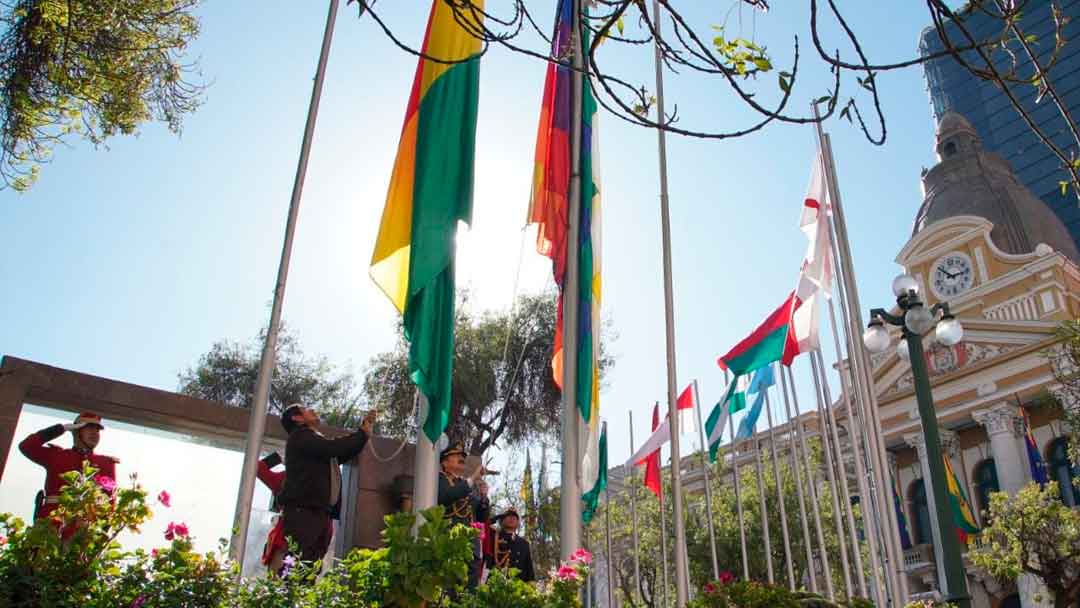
[
  {"x": 430, "y": 192},
  {"x": 958, "y": 503}
]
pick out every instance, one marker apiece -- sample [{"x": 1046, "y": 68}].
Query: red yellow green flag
[
  {"x": 958, "y": 503},
  {"x": 430, "y": 192}
]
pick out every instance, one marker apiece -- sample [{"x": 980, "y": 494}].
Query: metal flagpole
[
  {"x": 257, "y": 418},
  {"x": 780, "y": 494},
  {"x": 425, "y": 464},
  {"x": 858, "y": 434},
  {"x": 738, "y": 492},
  {"x": 633, "y": 515},
  {"x": 823, "y": 549},
  {"x": 764, "y": 510},
  {"x": 607, "y": 533},
  {"x": 826, "y": 448},
  {"x": 663, "y": 542},
  {"x": 859, "y": 360},
  {"x": 681, "y": 586},
  {"x": 738, "y": 500},
  {"x": 795, "y": 459},
  {"x": 841, "y": 471},
  {"x": 708, "y": 490},
  {"x": 570, "y": 496}
]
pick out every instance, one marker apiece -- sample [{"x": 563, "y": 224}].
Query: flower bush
[{"x": 729, "y": 593}]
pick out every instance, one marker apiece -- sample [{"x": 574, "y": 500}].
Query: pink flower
[
  {"x": 154, "y": 553},
  {"x": 106, "y": 483},
  {"x": 726, "y": 577},
  {"x": 567, "y": 573},
  {"x": 710, "y": 588},
  {"x": 138, "y": 602},
  {"x": 176, "y": 530},
  {"x": 581, "y": 556},
  {"x": 3, "y": 540},
  {"x": 481, "y": 528},
  {"x": 164, "y": 498}
]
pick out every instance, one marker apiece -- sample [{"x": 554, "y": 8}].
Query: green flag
[
  {"x": 733, "y": 401},
  {"x": 591, "y": 499}
]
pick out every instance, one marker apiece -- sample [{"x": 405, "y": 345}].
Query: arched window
[
  {"x": 986, "y": 482},
  {"x": 1062, "y": 471},
  {"x": 920, "y": 514},
  {"x": 950, "y": 149}
]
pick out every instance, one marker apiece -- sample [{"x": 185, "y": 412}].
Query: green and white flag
[
  {"x": 733, "y": 401},
  {"x": 591, "y": 500}
]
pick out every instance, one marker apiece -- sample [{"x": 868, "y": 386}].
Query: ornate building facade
[{"x": 1009, "y": 270}]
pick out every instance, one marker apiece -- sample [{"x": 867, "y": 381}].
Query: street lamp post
[{"x": 916, "y": 319}]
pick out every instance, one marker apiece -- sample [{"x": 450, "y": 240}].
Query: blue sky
[{"x": 129, "y": 262}]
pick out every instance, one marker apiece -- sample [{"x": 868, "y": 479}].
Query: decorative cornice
[{"x": 918, "y": 441}]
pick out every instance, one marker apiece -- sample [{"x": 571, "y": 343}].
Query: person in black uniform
[
  {"x": 464, "y": 500},
  {"x": 311, "y": 493},
  {"x": 511, "y": 550}
]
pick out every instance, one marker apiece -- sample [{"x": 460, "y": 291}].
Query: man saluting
[
  {"x": 511, "y": 550},
  {"x": 464, "y": 500},
  {"x": 311, "y": 492},
  {"x": 86, "y": 434}
]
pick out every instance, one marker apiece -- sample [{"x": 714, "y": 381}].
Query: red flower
[
  {"x": 581, "y": 556},
  {"x": 164, "y": 498},
  {"x": 567, "y": 573},
  {"x": 726, "y": 577},
  {"x": 154, "y": 553},
  {"x": 176, "y": 530},
  {"x": 106, "y": 483}
]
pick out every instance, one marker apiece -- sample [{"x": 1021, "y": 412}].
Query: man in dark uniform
[
  {"x": 511, "y": 550},
  {"x": 464, "y": 499},
  {"x": 311, "y": 491},
  {"x": 86, "y": 434}
]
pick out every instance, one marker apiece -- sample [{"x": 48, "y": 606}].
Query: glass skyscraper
[{"x": 1000, "y": 126}]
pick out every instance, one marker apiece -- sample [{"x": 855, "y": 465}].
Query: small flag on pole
[
  {"x": 958, "y": 502},
  {"x": 763, "y": 379},
  {"x": 1035, "y": 461},
  {"x": 734, "y": 400},
  {"x": 685, "y": 406},
  {"x": 770, "y": 342},
  {"x": 652, "y": 462},
  {"x": 591, "y": 500},
  {"x": 901, "y": 519}
]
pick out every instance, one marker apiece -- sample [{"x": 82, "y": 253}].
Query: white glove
[{"x": 74, "y": 427}]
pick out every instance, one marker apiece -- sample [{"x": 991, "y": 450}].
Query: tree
[
  {"x": 227, "y": 373},
  {"x": 1035, "y": 533},
  {"x": 726, "y": 523},
  {"x": 503, "y": 387},
  {"x": 727, "y": 55},
  {"x": 1064, "y": 361},
  {"x": 90, "y": 69}
]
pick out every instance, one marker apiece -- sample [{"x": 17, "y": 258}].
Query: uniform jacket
[
  {"x": 512, "y": 551},
  {"x": 308, "y": 456},
  {"x": 462, "y": 505},
  {"x": 58, "y": 461}
]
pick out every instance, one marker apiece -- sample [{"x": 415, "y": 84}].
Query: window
[
  {"x": 950, "y": 149},
  {"x": 920, "y": 514},
  {"x": 1062, "y": 471},
  {"x": 986, "y": 482}
]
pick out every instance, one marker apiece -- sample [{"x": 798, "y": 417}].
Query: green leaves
[
  {"x": 90, "y": 69},
  {"x": 742, "y": 56}
]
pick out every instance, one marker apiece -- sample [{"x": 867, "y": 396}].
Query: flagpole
[
  {"x": 812, "y": 484},
  {"x": 708, "y": 489},
  {"x": 663, "y": 541},
  {"x": 425, "y": 464},
  {"x": 738, "y": 492},
  {"x": 633, "y": 514},
  {"x": 859, "y": 360},
  {"x": 841, "y": 471},
  {"x": 764, "y": 511},
  {"x": 607, "y": 541},
  {"x": 681, "y": 586},
  {"x": 870, "y": 514},
  {"x": 257, "y": 417},
  {"x": 795, "y": 459},
  {"x": 570, "y": 496},
  {"x": 779, "y": 494},
  {"x": 830, "y": 474}
]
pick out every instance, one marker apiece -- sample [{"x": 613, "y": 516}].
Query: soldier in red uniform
[{"x": 86, "y": 431}]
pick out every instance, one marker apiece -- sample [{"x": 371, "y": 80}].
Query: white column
[
  {"x": 1002, "y": 424},
  {"x": 918, "y": 441}
]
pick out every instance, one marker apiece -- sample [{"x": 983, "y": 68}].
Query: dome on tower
[{"x": 969, "y": 180}]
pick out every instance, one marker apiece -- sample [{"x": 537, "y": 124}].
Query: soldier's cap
[
  {"x": 455, "y": 448},
  {"x": 511, "y": 512},
  {"x": 90, "y": 419}
]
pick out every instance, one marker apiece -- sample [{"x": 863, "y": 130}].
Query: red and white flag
[{"x": 815, "y": 276}]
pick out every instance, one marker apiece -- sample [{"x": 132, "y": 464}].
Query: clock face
[{"x": 952, "y": 275}]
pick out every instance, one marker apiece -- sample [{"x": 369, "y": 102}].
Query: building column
[
  {"x": 948, "y": 442},
  {"x": 1003, "y": 426}
]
